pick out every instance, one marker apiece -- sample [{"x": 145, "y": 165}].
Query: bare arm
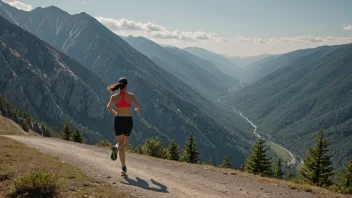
[
  {"x": 109, "y": 107},
  {"x": 138, "y": 107}
]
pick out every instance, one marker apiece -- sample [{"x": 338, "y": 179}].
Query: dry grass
[
  {"x": 299, "y": 185},
  {"x": 17, "y": 160},
  {"x": 9, "y": 127}
]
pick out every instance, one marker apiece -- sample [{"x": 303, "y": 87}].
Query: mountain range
[
  {"x": 201, "y": 75},
  {"x": 244, "y": 61},
  {"x": 63, "y": 75},
  {"x": 170, "y": 108},
  {"x": 225, "y": 65},
  {"x": 309, "y": 89}
]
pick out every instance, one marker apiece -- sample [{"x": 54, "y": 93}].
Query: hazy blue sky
[{"x": 230, "y": 27}]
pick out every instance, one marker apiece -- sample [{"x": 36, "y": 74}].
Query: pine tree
[
  {"x": 290, "y": 174},
  {"x": 76, "y": 137},
  {"x": 344, "y": 178},
  {"x": 225, "y": 163},
  {"x": 190, "y": 154},
  {"x": 36, "y": 127},
  {"x": 173, "y": 151},
  {"x": 317, "y": 166},
  {"x": 24, "y": 125},
  {"x": 66, "y": 132},
  {"x": 278, "y": 170},
  {"x": 45, "y": 131},
  {"x": 258, "y": 162},
  {"x": 15, "y": 117}
]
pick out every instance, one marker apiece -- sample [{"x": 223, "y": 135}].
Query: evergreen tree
[
  {"x": 290, "y": 174},
  {"x": 36, "y": 127},
  {"x": 3, "y": 108},
  {"x": 344, "y": 178},
  {"x": 15, "y": 117},
  {"x": 278, "y": 170},
  {"x": 154, "y": 147},
  {"x": 66, "y": 132},
  {"x": 190, "y": 154},
  {"x": 76, "y": 137},
  {"x": 225, "y": 163},
  {"x": 28, "y": 121},
  {"x": 24, "y": 125},
  {"x": 317, "y": 166},
  {"x": 45, "y": 131},
  {"x": 258, "y": 162},
  {"x": 173, "y": 151}
]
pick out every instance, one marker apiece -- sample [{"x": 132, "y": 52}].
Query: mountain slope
[
  {"x": 294, "y": 102},
  {"x": 37, "y": 78},
  {"x": 244, "y": 61},
  {"x": 171, "y": 109},
  {"x": 206, "y": 79},
  {"x": 268, "y": 65},
  {"x": 219, "y": 61}
]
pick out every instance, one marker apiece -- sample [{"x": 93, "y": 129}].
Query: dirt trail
[{"x": 151, "y": 177}]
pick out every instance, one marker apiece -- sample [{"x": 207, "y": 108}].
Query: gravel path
[{"x": 151, "y": 177}]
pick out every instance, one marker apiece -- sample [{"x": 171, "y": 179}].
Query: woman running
[{"x": 123, "y": 122}]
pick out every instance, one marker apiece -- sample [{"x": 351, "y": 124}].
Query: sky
[{"x": 229, "y": 27}]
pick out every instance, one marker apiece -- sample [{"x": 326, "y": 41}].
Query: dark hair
[{"x": 118, "y": 86}]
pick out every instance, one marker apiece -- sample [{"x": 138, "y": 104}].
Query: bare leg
[{"x": 121, "y": 148}]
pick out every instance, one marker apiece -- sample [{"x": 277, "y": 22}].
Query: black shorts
[{"x": 123, "y": 125}]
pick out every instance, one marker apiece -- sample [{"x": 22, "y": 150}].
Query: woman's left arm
[{"x": 109, "y": 107}]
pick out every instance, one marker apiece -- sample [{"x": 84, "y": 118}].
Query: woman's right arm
[{"x": 109, "y": 107}]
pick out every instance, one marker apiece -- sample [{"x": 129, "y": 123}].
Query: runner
[{"x": 123, "y": 122}]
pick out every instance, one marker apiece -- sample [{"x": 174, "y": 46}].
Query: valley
[{"x": 57, "y": 65}]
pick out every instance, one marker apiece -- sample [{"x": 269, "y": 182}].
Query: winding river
[{"x": 293, "y": 159}]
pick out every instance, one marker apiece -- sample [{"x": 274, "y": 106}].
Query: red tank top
[{"x": 122, "y": 103}]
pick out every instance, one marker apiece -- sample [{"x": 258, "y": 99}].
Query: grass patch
[
  {"x": 304, "y": 187},
  {"x": 36, "y": 184},
  {"x": 104, "y": 144},
  {"x": 279, "y": 152},
  {"x": 17, "y": 160}
]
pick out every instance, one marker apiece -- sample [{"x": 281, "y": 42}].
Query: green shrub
[
  {"x": 104, "y": 143},
  {"x": 129, "y": 148},
  {"x": 24, "y": 125},
  {"x": 76, "y": 137},
  {"x": 38, "y": 184},
  {"x": 154, "y": 147},
  {"x": 139, "y": 149}
]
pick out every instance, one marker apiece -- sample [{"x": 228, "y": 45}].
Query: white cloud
[
  {"x": 298, "y": 39},
  {"x": 244, "y": 40},
  {"x": 84, "y": 2},
  {"x": 259, "y": 40},
  {"x": 156, "y": 31},
  {"x": 19, "y": 5},
  {"x": 347, "y": 27}
]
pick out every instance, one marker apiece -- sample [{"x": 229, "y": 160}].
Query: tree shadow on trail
[{"x": 145, "y": 185}]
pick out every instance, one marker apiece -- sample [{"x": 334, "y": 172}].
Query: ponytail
[
  {"x": 118, "y": 86},
  {"x": 115, "y": 87}
]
